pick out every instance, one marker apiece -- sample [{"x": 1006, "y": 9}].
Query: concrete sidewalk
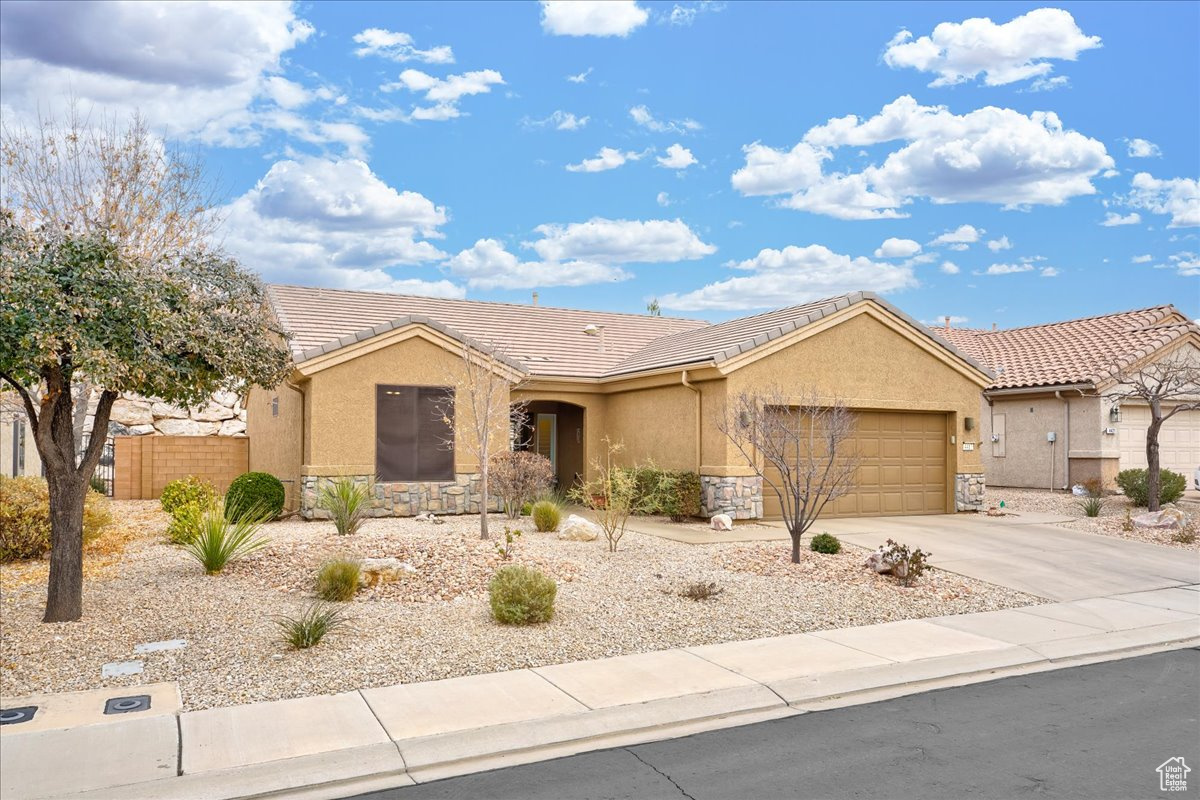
[{"x": 338, "y": 745}]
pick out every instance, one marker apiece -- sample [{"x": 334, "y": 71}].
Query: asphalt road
[{"x": 1090, "y": 732}]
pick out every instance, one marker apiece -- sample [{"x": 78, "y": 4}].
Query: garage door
[
  {"x": 1178, "y": 439},
  {"x": 902, "y": 469}
]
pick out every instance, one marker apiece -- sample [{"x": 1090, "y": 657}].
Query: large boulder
[
  {"x": 1171, "y": 519},
  {"x": 375, "y": 571},
  {"x": 721, "y": 522},
  {"x": 578, "y": 529},
  {"x": 878, "y": 562},
  {"x": 131, "y": 412},
  {"x": 186, "y": 427},
  {"x": 161, "y": 409},
  {"x": 212, "y": 412}
]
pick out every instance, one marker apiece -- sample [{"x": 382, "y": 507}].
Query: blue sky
[{"x": 701, "y": 153}]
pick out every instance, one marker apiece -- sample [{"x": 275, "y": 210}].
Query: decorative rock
[
  {"x": 227, "y": 399},
  {"x": 738, "y": 497},
  {"x": 721, "y": 522},
  {"x": 877, "y": 562},
  {"x": 115, "y": 669},
  {"x": 1167, "y": 519},
  {"x": 161, "y": 409},
  {"x": 140, "y": 430},
  {"x": 211, "y": 412},
  {"x": 578, "y": 529},
  {"x": 132, "y": 412},
  {"x": 186, "y": 427},
  {"x": 383, "y": 570},
  {"x": 154, "y": 647},
  {"x": 232, "y": 427}
]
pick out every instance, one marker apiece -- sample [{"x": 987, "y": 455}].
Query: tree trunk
[
  {"x": 1153, "y": 472},
  {"x": 483, "y": 505},
  {"x": 796, "y": 548},
  {"x": 64, "y": 594}
]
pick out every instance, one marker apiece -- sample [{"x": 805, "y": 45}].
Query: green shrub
[
  {"x": 311, "y": 625},
  {"x": 185, "y": 521},
  {"x": 526, "y": 509},
  {"x": 186, "y": 490},
  {"x": 546, "y": 515},
  {"x": 1092, "y": 506},
  {"x": 347, "y": 501},
  {"x": 825, "y": 543},
  {"x": 220, "y": 540},
  {"x": 25, "y": 518},
  {"x": 907, "y": 564},
  {"x": 98, "y": 485},
  {"x": 506, "y": 548},
  {"x": 521, "y": 595},
  {"x": 674, "y": 493},
  {"x": 337, "y": 581},
  {"x": 1133, "y": 484},
  {"x": 256, "y": 494}
]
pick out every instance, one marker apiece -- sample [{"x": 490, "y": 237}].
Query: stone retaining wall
[
  {"x": 740, "y": 497},
  {"x": 459, "y": 496},
  {"x": 968, "y": 491}
]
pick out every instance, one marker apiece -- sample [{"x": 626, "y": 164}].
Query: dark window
[{"x": 412, "y": 440}]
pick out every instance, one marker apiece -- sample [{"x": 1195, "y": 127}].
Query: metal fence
[{"x": 106, "y": 468}]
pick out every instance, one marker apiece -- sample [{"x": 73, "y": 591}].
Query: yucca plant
[
  {"x": 347, "y": 502},
  {"x": 219, "y": 541},
  {"x": 311, "y": 625},
  {"x": 1091, "y": 506}
]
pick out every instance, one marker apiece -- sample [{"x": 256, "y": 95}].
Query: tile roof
[
  {"x": 545, "y": 340},
  {"x": 1071, "y": 352}
]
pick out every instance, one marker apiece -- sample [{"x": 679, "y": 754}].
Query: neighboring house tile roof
[
  {"x": 545, "y": 340},
  {"x": 550, "y": 341},
  {"x": 1077, "y": 351}
]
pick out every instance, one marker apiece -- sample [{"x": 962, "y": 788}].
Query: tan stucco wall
[
  {"x": 656, "y": 425},
  {"x": 276, "y": 444},
  {"x": 341, "y": 405}
]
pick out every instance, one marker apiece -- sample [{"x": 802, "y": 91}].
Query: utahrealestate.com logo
[{"x": 1172, "y": 775}]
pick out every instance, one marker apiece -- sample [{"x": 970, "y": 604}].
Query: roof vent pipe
[
  {"x": 947, "y": 322},
  {"x": 993, "y": 326},
  {"x": 535, "y": 298}
]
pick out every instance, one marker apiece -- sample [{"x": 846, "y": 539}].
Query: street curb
[{"x": 344, "y": 773}]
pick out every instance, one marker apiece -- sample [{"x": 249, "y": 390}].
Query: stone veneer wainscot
[
  {"x": 396, "y": 499},
  {"x": 968, "y": 491},
  {"x": 739, "y": 497}
]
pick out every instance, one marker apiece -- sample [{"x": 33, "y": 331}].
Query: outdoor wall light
[
  {"x": 744, "y": 419},
  {"x": 1114, "y": 414},
  {"x": 969, "y": 423}
]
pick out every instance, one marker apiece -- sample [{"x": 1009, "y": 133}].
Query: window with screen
[{"x": 412, "y": 440}]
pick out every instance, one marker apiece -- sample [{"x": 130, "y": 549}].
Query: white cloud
[
  {"x": 950, "y": 268},
  {"x": 559, "y": 120},
  {"x": 399, "y": 46},
  {"x": 620, "y": 241},
  {"x": 1186, "y": 263},
  {"x": 1014, "y": 51},
  {"x": 996, "y": 245},
  {"x": 897, "y": 248},
  {"x": 1179, "y": 197},
  {"x": 1111, "y": 220},
  {"x": 1006, "y": 269},
  {"x": 443, "y": 93},
  {"x": 793, "y": 275},
  {"x": 663, "y": 199},
  {"x": 580, "y": 77},
  {"x": 677, "y": 157},
  {"x": 990, "y": 155},
  {"x": 682, "y": 15},
  {"x": 1050, "y": 84},
  {"x": 195, "y": 71},
  {"x": 642, "y": 116},
  {"x": 334, "y": 223},
  {"x": 1145, "y": 259},
  {"x": 1141, "y": 148},
  {"x": 592, "y": 17},
  {"x": 1049, "y": 272},
  {"x": 959, "y": 238},
  {"x": 608, "y": 158},
  {"x": 487, "y": 265}
]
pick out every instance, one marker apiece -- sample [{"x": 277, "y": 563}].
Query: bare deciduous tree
[
  {"x": 1168, "y": 386},
  {"x": 483, "y": 379},
  {"x": 799, "y": 446}
]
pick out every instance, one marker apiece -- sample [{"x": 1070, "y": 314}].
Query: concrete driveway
[{"x": 1027, "y": 553}]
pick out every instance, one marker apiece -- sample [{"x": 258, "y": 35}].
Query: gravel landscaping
[
  {"x": 1111, "y": 521},
  {"x": 435, "y": 623}
]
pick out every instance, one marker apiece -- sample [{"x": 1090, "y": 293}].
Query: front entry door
[{"x": 545, "y": 438}]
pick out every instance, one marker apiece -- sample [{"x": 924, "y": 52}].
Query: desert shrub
[
  {"x": 186, "y": 490},
  {"x": 700, "y": 590},
  {"x": 185, "y": 520},
  {"x": 517, "y": 477},
  {"x": 675, "y": 493},
  {"x": 220, "y": 540},
  {"x": 1186, "y": 534},
  {"x": 347, "y": 501},
  {"x": 611, "y": 494},
  {"x": 1092, "y": 506},
  {"x": 311, "y": 625},
  {"x": 1133, "y": 484},
  {"x": 255, "y": 494},
  {"x": 546, "y": 515},
  {"x": 508, "y": 545},
  {"x": 25, "y": 518},
  {"x": 521, "y": 595},
  {"x": 1094, "y": 487},
  {"x": 907, "y": 564},
  {"x": 526, "y": 509},
  {"x": 825, "y": 543},
  {"x": 337, "y": 581}
]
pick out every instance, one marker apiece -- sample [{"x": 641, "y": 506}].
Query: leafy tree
[{"x": 128, "y": 301}]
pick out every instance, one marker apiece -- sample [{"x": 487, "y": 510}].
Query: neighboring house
[
  {"x": 371, "y": 370},
  {"x": 1046, "y": 420},
  {"x": 18, "y": 452}
]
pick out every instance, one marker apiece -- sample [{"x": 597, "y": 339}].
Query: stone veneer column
[
  {"x": 739, "y": 497},
  {"x": 395, "y": 499},
  {"x": 968, "y": 491}
]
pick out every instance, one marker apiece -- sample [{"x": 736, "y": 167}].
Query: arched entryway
[{"x": 556, "y": 430}]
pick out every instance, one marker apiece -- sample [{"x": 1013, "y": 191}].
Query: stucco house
[
  {"x": 1047, "y": 421},
  {"x": 370, "y": 367}
]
